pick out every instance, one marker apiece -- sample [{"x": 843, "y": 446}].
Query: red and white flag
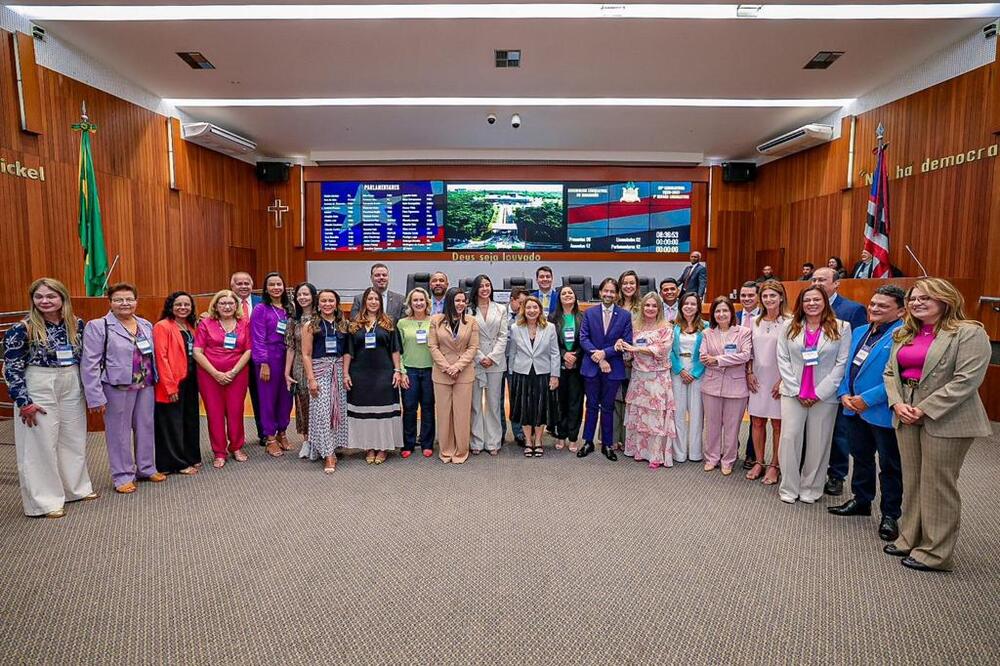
[{"x": 877, "y": 224}]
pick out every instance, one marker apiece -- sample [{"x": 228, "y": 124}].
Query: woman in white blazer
[
  {"x": 490, "y": 364},
  {"x": 812, "y": 358},
  {"x": 534, "y": 362}
]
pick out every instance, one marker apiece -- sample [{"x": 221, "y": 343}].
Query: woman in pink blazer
[{"x": 725, "y": 351}]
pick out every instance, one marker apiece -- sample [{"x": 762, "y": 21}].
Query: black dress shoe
[
  {"x": 609, "y": 453},
  {"x": 748, "y": 463},
  {"x": 585, "y": 450},
  {"x": 890, "y": 549},
  {"x": 834, "y": 487},
  {"x": 911, "y": 563},
  {"x": 520, "y": 441},
  {"x": 852, "y": 507},
  {"x": 888, "y": 530}
]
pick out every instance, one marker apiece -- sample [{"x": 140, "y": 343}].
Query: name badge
[
  {"x": 810, "y": 356},
  {"x": 144, "y": 345},
  {"x": 64, "y": 355},
  {"x": 421, "y": 336},
  {"x": 331, "y": 344},
  {"x": 282, "y": 326},
  {"x": 190, "y": 347},
  {"x": 729, "y": 348},
  {"x": 229, "y": 342},
  {"x": 370, "y": 340},
  {"x": 860, "y": 357},
  {"x": 569, "y": 335},
  {"x": 641, "y": 342}
]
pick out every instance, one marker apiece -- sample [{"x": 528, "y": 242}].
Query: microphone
[{"x": 916, "y": 260}]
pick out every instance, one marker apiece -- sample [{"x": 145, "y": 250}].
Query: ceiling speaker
[
  {"x": 273, "y": 172},
  {"x": 738, "y": 172}
]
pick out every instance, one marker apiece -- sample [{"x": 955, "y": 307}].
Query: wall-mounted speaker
[
  {"x": 273, "y": 172},
  {"x": 738, "y": 172}
]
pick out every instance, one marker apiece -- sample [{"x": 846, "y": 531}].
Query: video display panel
[
  {"x": 382, "y": 216},
  {"x": 629, "y": 217},
  {"x": 505, "y": 216}
]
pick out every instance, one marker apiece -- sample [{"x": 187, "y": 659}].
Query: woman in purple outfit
[{"x": 268, "y": 324}]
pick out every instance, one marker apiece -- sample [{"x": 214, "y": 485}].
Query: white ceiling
[{"x": 561, "y": 58}]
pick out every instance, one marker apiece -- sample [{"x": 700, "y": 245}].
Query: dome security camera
[
  {"x": 515, "y": 120},
  {"x": 491, "y": 118}
]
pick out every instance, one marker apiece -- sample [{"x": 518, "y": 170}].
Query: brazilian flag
[{"x": 95, "y": 264}]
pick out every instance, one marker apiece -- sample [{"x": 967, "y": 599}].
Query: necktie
[
  {"x": 607, "y": 320},
  {"x": 246, "y": 309}
]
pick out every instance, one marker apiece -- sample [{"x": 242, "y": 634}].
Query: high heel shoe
[{"x": 769, "y": 479}]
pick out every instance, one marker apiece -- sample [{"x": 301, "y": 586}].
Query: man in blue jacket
[
  {"x": 603, "y": 368},
  {"x": 854, "y": 314},
  {"x": 866, "y": 416}
]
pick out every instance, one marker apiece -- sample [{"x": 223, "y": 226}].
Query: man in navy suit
[
  {"x": 603, "y": 368},
  {"x": 855, "y": 315},
  {"x": 695, "y": 277},
  {"x": 867, "y": 417},
  {"x": 750, "y": 300},
  {"x": 241, "y": 283},
  {"x": 545, "y": 293}
]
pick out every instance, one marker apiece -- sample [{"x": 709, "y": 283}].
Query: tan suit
[
  {"x": 453, "y": 395},
  {"x": 933, "y": 450}
]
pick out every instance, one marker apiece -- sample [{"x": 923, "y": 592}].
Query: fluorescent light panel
[
  {"x": 494, "y": 102},
  {"x": 501, "y": 11}
]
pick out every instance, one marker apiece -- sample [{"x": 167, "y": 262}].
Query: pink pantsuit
[
  {"x": 724, "y": 392},
  {"x": 223, "y": 404}
]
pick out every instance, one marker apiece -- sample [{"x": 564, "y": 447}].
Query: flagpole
[{"x": 110, "y": 271}]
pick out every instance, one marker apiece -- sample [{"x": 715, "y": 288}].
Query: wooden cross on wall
[{"x": 278, "y": 208}]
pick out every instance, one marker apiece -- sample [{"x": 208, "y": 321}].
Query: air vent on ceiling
[
  {"x": 217, "y": 139},
  {"x": 195, "y": 60},
  {"x": 823, "y": 59},
  {"x": 507, "y": 58}
]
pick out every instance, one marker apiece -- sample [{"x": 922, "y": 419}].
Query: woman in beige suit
[
  {"x": 453, "y": 343},
  {"x": 490, "y": 364},
  {"x": 938, "y": 360}
]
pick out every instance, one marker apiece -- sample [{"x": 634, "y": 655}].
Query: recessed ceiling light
[
  {"x": 817, "y": 12},
  {"x": 494, "y": 102},
  {"x": 506, "y": 58},
  {"x": 747, "y": 11},
  {"x": 195, "y": 60}
]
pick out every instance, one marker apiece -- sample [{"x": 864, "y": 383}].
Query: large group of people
[{"x": 647, "y": 375}]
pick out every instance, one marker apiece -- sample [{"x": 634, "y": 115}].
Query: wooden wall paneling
[
  {"x": 29, "y": 91},
  {"x": 179, "y": 159},
  {"x": 990, "y": 392}
]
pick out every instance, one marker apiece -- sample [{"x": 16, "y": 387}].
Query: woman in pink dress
[
  {"x": 650, "y": 431},
  {"x": 764, "y": 380}
]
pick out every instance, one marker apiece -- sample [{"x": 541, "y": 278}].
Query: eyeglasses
[
  {"x": 123, "y": 301},
  {"x": 919, "y": 299}
]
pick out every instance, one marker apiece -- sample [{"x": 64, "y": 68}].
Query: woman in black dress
[{"x": 373, "y": 377}]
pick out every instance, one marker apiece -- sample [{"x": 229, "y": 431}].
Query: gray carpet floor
[{"x": 500, "y": 560}]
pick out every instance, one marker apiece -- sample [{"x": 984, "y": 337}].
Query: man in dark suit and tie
[
  {"x": 603, "y": 368},
  {"x": 695, "y": 276},
  {"x": 392, "y": 302},
  {"x": 855, "y": 315},
  {"x": 545, "y": 293},
  {"x": 241, "y": 284}
]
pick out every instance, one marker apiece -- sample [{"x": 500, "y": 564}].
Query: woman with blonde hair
[
  {"x": 373, "y": 376},
  {"x": 937, "y": 363},
  {"x": 418, "y": 390},
  {"x": 222, "y": 352},
  {"x": 812, "y": 359},
  {"x": 650, "y": 431},
  {"x": 535, "y": 363},
  {"x": 42, "y": 371},
  {"x": 764, "y": 380}
]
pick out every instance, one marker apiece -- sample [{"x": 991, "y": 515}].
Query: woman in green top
[
  {"x": 418, "y": 390},
  {"x": 567, "y": 320}
]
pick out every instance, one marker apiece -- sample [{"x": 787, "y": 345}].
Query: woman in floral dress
[{"x": 650, "y": 431}]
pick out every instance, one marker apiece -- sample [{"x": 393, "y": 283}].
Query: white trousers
[
  {"x": 51, "y": 455},
  {"x": 688, "y": 418},
  {"x": 815, "y": 425},
  {"x": 487, "y": 409}
]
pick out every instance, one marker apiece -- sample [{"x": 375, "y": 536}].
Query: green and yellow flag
[{"x": 95, "y": 264}]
